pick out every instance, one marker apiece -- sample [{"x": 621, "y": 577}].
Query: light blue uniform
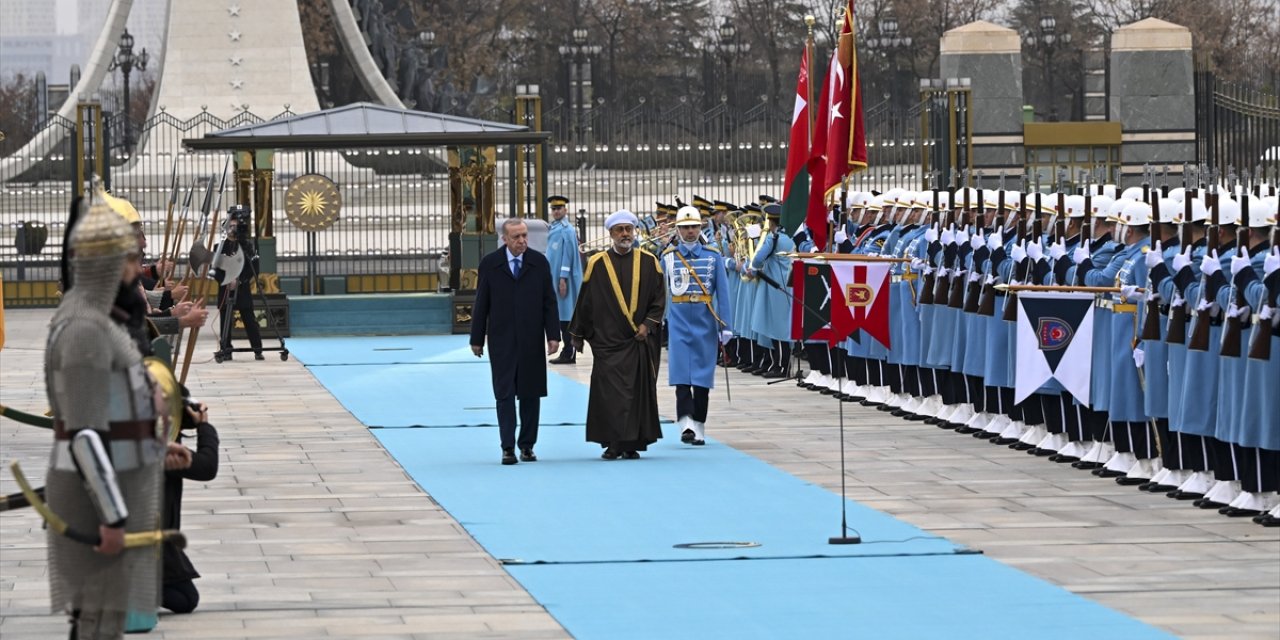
[
  {"x": 562, "y": 253},
  {"x": 771, "y": 312},
  {"x": 1259, "y": 424},
  {"x": 1178, "y": 352},
  {"x": 1198, "y": 398},
  {"x": 696, "y": 283},
  {"x": 1125, "y": 395},
  {"x": 1230, "y": 426},
  {"x": 904, "y": 318},
  {"x": 1156, "y": 364}
]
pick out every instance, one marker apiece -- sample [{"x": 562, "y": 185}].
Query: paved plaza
[{"x": 312, "y": 530}]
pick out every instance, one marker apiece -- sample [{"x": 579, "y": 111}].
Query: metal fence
[
  {"x": 395, "y": 213},
  {"x": 1236, "y": 126}
]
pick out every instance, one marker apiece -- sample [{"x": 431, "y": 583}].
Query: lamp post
[
  {"x": 730, "y": 46},
  {"x": 579, "y": 54},
  {"x": 1047, "y": 40},
  {"x": 126, "y": 61},
  {"x": 891, "y": 43}
]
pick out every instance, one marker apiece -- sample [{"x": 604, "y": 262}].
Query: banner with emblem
[
  {"x": 1054, "y": 342},
  {"x": 860, "y": 300},
  {"x": 811, "y": 300}
]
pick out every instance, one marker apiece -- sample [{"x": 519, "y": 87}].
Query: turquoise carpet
[{"x": 595, "y": 541}]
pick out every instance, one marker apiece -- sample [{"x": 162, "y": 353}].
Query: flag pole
[{"x": 845, "y": 536}]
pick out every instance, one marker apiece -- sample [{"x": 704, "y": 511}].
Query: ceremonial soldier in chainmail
[{"x": 105, "y": 470}]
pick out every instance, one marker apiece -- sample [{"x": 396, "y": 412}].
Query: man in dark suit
[{"x": 515, "y": 308}]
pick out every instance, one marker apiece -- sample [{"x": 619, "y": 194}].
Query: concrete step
[{"x": 383, "y": 314}]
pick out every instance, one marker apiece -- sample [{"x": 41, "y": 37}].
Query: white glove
[
  {"x": 995, "y": 240},
  {"x": 1204, "y": 305},
  {"x": 841, "y": 236},
  {"x": 725, "y": 337},
  {"x": 1178, "y": 300},
  {"x": 831, "y": 217},
  {"x": 1035, "y": 251},
  {"x": 1271, "y": 262},
  {"x": 1154, "y": 257},
  {"x": 948, "y": 237},
  {"x": 917, "y": 264},
  {"x": 1182, "y": 260},
  {"x": 990, "y": 279},
  {"x": 1266, "y": 313},
  {"x": 976, "y": 241},
  {"x": 944, "y": 272},
  {"x": 1127, "y": 291},
  {"x": 1239, "y": 263},
  {"x": 1080, "y": 255},
  {"x": 975, "y": 276},
  {"x": 1210, "y": 264},
  {"x": 1057, "y": 250},
  {"x": 1238, "y": 312},
  {"x": 962, "y": 236},
  {"x": 1019, "y": 253},
  {"x": 1139, "y": 357},
  {"x": 931, "y": 235}
]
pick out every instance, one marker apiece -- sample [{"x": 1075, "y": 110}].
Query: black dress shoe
[
  {"x": 686, "y": 436},
  {"x": 1021, "y": 446},
  {"x": 1109, "y": 473},
  {"x": 257, "y": 355},
  {"x": 526, "y": 455},
  {"x": 931, "y": 420},
  {"x": 562, "y": 360},
  {"x": 1269, "y": 521},
  {"x": 630, "y": 455},
  {"x": 773, "y": 374},
  {"x": 899, "y": 413},
  {"x": 1003, "y": 442},
  {"x": 1160, "y": 488},
  {"x": 1184, "y": 495},
  {"x": 1205, "y": 503},
  {"x": 1042, "y": 452},
  {"x": 1236, "y": 512},
  {"x": 1085, "y": 465},
  {"x": 509, "y": 456},
  {"x": 1126, "y": 481},
  {"x": 695, "y": 442},
  {"x": 964, "y": 428},
  {"x": 915, "y": 417},
  {"x": 1061, "y": 459},
  {"x": 611, "y": 454}
]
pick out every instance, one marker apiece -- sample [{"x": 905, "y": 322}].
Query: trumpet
[{"x": 643, "y": 236}]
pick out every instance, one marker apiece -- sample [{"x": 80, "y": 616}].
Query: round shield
[
  {"x": 231, "y": 265},
  {"x": 164, "y": 378},
  {"x": 312, "y": 202}
]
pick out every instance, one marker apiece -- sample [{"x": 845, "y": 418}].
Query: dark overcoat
[{"x": 518, "y": 316}]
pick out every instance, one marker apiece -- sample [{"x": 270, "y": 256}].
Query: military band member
[
  {"x": 699, "y": 313},
  {"x": 771, "y": 314},
  {"x": 566, "y": 270}
]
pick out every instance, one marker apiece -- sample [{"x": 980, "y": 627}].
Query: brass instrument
[{"x": 642, "y": 237}]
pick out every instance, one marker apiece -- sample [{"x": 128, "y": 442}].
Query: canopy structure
[{"x": 366, "y": 125}]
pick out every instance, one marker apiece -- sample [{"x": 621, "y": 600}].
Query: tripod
[{"x": 226, "y": 307}]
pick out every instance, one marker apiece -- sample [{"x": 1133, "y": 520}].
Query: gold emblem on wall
[{"x": 312, "y": 202}]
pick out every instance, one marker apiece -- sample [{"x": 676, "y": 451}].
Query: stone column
[
  {"x": 1153, "y": 96},
  {"x": 991, "y": 57}
]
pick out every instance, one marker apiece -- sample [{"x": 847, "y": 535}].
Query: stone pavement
[{"x": 312, "y": 530}]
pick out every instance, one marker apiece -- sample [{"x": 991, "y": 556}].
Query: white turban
[{"x": 621, "y": 216}]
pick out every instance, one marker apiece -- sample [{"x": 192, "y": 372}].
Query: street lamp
[
  {"x": 730, "y": 46},
  {"x": 126, "y": 62},
  {"x": 1048, "y": 40},
  {"x": 578, "y": 53},
  {"x": 891, "y": 44}
]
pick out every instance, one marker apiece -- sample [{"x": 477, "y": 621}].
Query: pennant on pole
[
  {"x": 816, "y": 212},
  {"x": 846, "y": 136},
  {"x": 811, "y": 300},
  {"x": 860, "y": 300},
  {"x": 1054, "y": 342}
]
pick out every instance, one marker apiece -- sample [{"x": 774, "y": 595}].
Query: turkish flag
[{"x": 860, "y": 300}]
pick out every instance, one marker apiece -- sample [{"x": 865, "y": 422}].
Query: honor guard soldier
[
  {"x": 566, "y": 271},
  {"x": 699, "y": 313}
]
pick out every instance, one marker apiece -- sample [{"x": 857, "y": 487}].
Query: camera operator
[{"x": 235, "y": 295}]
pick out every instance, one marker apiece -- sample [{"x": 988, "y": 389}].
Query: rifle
[
  {"x": 942, "y": 286},
  {"x": 1231, "y": 332},
  {"x": 987, "y": 299},
  {"x": 974, "y": 287},
  {"x": 1260, "y": 341},
  {"x": 1176, "y": 331},
  {"x": 1199, "y": 340},
  {"x": 1151, "y": 323},
  {"x": 1020, "y": 271},
  {"x": 955, "y": 294},
  {"x": 930, "y": 280}
]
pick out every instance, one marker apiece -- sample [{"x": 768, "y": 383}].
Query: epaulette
[
  {"x": 711, "y": 247},
  {"x": 667, "y": 250}
]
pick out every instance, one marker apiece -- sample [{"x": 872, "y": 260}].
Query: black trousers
[
  {"x": 239, "y": 300},
  {"x": 180, "y": 596},
  {"x": 1134, "y": 437},
  {"x": 1181, "y": 450},
  {"x": 528, "y": 422},
  {"x": 819, "y": 356},
  {"x": 1259, "y": 469},
  {"x": 566, "y": 343},
  {"x": 691, "y": 400}
]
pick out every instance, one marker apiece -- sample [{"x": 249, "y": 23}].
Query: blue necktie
[{"x": 515, "y": 267}]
